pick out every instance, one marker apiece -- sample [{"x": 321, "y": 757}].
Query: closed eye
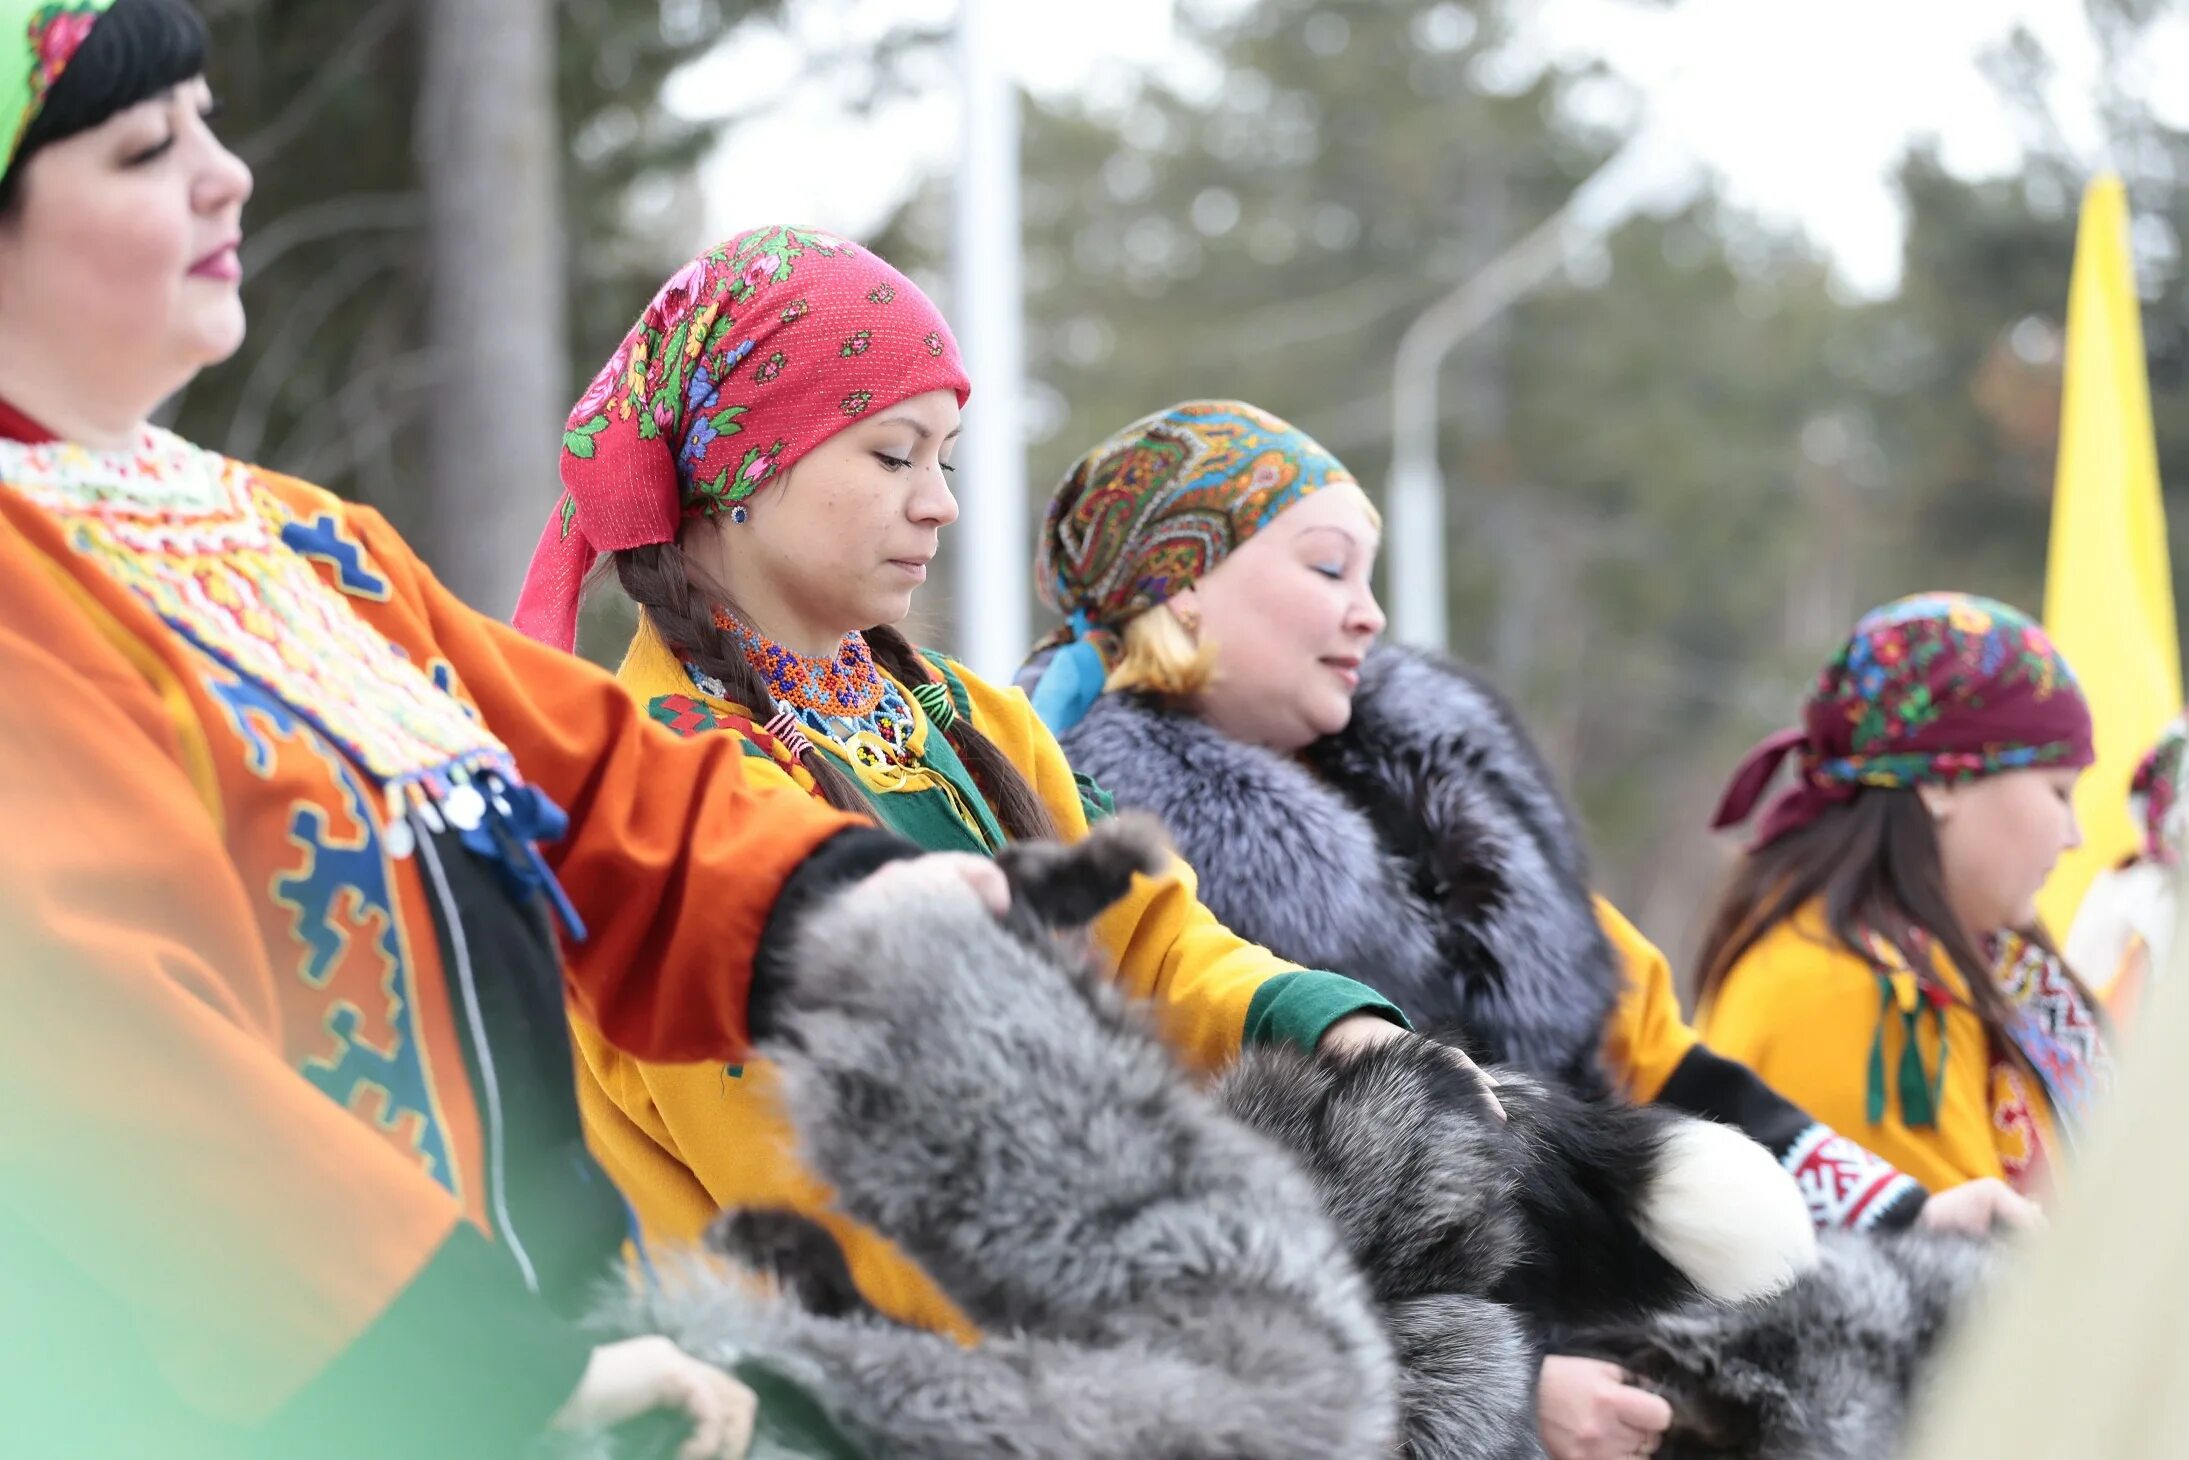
[
  {"x": 892, "y": 463},
  {"x": 152, "y": 153}
]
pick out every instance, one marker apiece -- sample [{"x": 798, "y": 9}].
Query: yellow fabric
[
  {"x": 1801, "y": 1009},
  {"x": 2109, "y": 596},
  {"x": 685, "y": 1141},
  {"x": 1647, "y": 1037}
]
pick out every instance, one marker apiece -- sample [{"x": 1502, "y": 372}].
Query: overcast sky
[{"x": 1801, "y": 106}]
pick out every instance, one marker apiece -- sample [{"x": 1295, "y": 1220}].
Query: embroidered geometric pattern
[
  {"x": 349, "y": 1021},
  {"x": 689, "y": 717},
  {"x": 847, "y": 683},
  {"x": 191, "y": 534},
  {"x": 683, "y": 714},
  {"x": 2054, "y": 1029},
  {"x": 1846, "y": 1188}
]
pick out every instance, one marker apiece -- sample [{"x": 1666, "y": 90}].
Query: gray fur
[
  {"x": 1828, "y": 1370},
  {"x": 1153, "y": 1278},
  {"x": 1447, "y": 872},
  {"x": 1157, "y": 1271}
]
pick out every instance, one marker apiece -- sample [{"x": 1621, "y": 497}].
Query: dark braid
[
  {"x": 672, "y": 592},
  {"x": 1018, "y": 810}
]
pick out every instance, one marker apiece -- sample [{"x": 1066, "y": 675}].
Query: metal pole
[
  {"x": 993, "y": 551},
  {"x": 1416, "y": 528}
]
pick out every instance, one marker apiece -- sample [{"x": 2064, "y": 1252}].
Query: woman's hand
[
  {"x": 1359, "y": 1033},
  {"x": 942, "y": 873},
  {"x": 1980, "y": 1208},
  {"x": 1587, "y": 1410},
  {"x": 639, "y": 1375}
]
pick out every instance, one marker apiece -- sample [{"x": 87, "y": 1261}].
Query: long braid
[
  {"x": 670, "y": 590},
  {"x": 1018, "y": 809}
]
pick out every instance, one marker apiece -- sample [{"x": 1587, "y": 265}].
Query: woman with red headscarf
[
  {"x": 764, "y": 465},
  {"x": 1877, "y": 955}
]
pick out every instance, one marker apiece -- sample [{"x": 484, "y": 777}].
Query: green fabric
[
  {"x": 37, "y": 38},
  {"x": 1099, "y": 804},
  {"x": 1299, "y": 1008},
  {"x": 1921, "y": 1091},
  {"x": 789, "y": 1425},
  {"x": 958, "y": 696},
  {"x": 928, "y": 818}
]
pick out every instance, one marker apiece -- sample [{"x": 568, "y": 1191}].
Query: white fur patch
[{"x": 1722, "y": 1211}]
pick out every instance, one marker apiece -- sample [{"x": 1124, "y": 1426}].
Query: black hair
[{"x": 138, "y": 49}]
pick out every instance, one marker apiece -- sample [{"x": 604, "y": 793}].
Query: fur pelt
[
  {"x": 1827, "y": 1370},
  {"x": 1153, "y": 1278},
  {"x": 1446, "y": 870},
  {"x": 1164, "y": 1272}
]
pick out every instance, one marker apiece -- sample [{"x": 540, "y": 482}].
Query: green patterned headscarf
[
  {"x": 1147, "y": 514},
  {"x": 38, "y": 38}
]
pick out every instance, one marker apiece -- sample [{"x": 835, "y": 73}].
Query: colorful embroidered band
[
  {"x": 1148, "y": 513},
  {"x": 1938, "y": 688},
  {"x": 752, "y": 355},
  {"x": 39, "y": 38}
]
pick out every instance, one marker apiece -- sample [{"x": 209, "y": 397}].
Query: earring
[{"x": 738, "y": 514}]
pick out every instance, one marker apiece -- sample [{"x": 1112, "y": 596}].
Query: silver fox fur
[
  {"x": 1827, "y": 1370},
  {"x": 1310, "y": 1260},
  {"x": 1153, "y": 1278}
]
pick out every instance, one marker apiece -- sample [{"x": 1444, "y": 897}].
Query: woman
[
  {"x": 1877, "y": 954},
  {"x": 763, "y": 463},
  {"x": 2123, "y": 934},
  {"x": 1369, "y": 809},
  {"x": 291, "y": 1163}
]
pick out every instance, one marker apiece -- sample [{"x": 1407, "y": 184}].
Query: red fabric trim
[{"x": 15, "y": 426}]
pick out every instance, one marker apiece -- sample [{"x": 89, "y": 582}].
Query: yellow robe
[
  {"x": 685, "y": 1141},
  {"x": 1802, "y": 1009},
  {"x": 1647, "y": 1037}
]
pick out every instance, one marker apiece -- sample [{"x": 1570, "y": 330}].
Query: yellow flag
[{"x": 2109, "y": 592}]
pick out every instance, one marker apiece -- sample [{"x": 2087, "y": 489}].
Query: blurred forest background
[{"x": 1677, "y": 473}]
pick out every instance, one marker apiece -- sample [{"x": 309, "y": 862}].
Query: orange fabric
[
  {"x": 674, "y": 884},
  {"x": 155, "y": 1126}
]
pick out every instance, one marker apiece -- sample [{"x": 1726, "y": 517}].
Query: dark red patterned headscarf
[
  {"x": 1934, "y": 689},
  {"x": 752, "y": 355}
]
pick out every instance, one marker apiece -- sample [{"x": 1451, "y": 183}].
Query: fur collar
[{"x": 1423, "y": 850}]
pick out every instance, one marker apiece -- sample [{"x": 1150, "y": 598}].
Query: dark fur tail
[
  {"x": 797, "y": 1252},
  {"x": 1584, "y": 1171},
  {"x": 1060, "y": 886}
]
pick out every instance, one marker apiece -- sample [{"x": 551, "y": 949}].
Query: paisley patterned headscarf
[
  {"x": 1934, "y": 689},
  {"x": 750, "y": 356},
  {"x": 38, "y": 38},
  {"x": 1147, "y": 514}
]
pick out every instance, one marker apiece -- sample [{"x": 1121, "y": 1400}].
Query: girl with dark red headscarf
[{"x": 1877, "y": 956}]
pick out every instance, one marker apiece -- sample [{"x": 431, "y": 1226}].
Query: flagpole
[{"x": 992, "y": 548}]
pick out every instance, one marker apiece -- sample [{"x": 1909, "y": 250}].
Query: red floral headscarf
[{"x": 750, "y": 356}]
